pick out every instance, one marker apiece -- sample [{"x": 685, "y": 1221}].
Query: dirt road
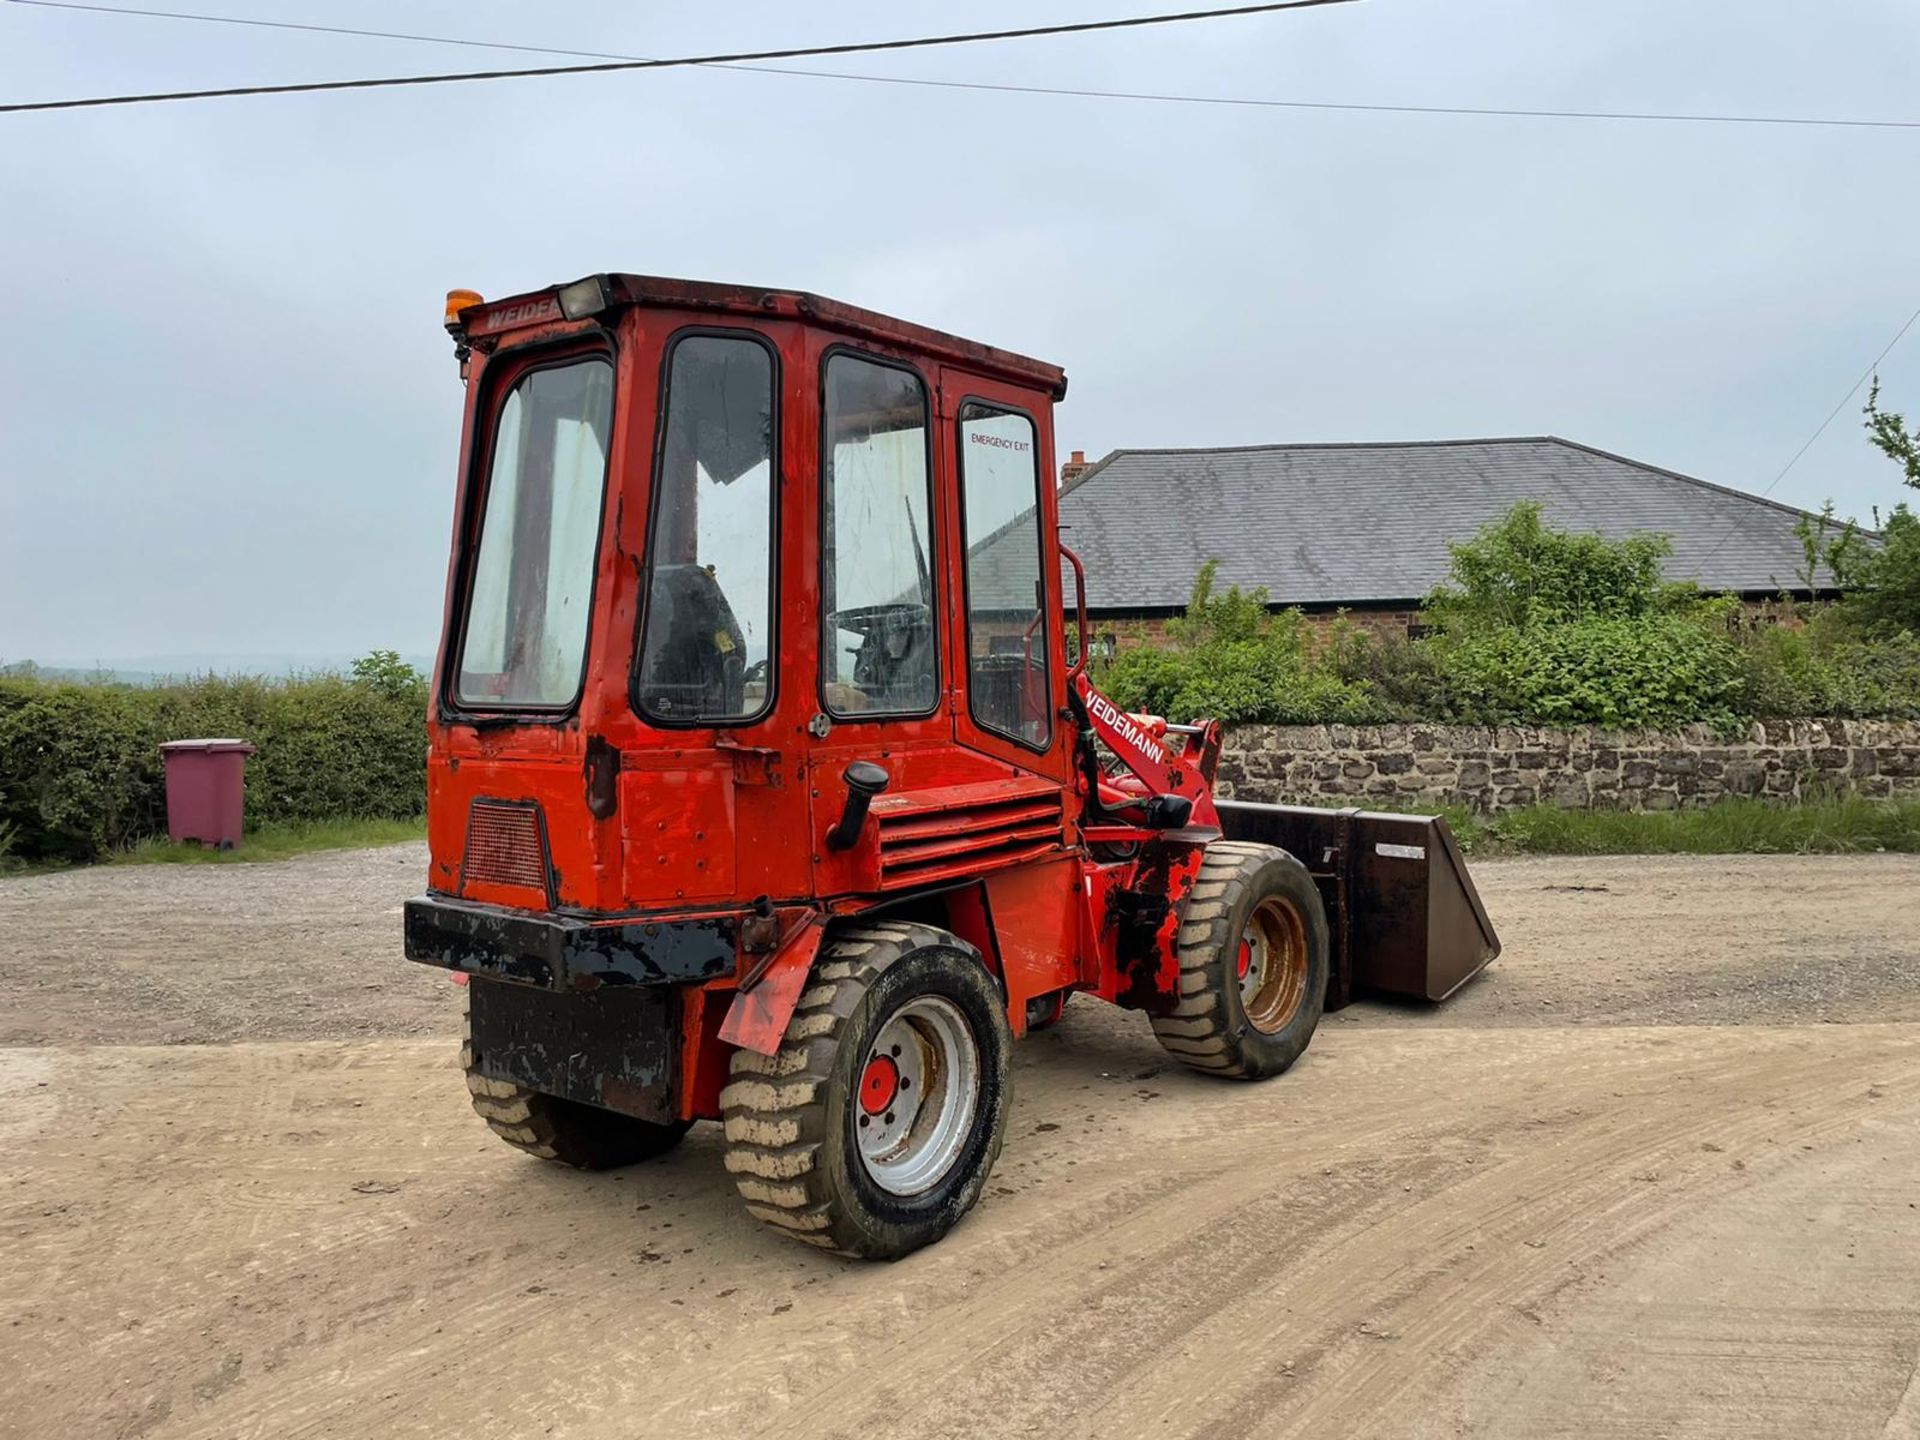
[{"x": 1655, "y": 1176}]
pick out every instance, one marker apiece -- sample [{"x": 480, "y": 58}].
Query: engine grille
[
  {"x": 506, "y": 845},
  {"x": 931, "y": 836}
]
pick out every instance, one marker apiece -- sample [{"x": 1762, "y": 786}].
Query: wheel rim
[
  {"x": 915, "y": 1096},
  {"x": 1273, "y": 965}
]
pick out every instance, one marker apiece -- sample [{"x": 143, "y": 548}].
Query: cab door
[
  {"x": 1006, "y": 631},
  {"x": 1006, "y": 637}
]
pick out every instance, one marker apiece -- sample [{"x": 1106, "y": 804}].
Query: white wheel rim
[
  {"x": 1256, "y": 973},
  {"x": 911, "y": 1134}
]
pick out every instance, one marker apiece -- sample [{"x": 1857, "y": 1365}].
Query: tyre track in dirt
[
  {"x": 1628, "y": 1184},
  {"x": 1013, "y": 1346},
  {"x": 1301, "y": 1258}
]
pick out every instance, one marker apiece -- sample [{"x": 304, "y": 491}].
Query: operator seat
[{"x": 694, "y": 651}]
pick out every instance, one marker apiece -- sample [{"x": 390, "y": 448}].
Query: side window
[
  {"x": 707, "y": 630},
  {"x": 1008, "y": 675},
  {"x": 877, "y": 632}
]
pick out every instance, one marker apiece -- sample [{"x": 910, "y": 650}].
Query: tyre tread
[
  {"x": 1200, "y": 1029},
  {"x": 784, "y": 1185}
]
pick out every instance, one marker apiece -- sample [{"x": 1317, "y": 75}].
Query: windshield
[{"x": 524, "y": 643}]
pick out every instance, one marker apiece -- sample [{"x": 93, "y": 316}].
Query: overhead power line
[
  {"x": 1082, "y": 27},
  {"x": 1253, "y": 102},
  {"x": 1842, "y": 404},
  {"x": 1854, "y": 389},
  {"x": 1832, "y": 415}
]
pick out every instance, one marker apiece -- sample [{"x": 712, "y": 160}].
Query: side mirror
[{"x": 864, "y": 781}]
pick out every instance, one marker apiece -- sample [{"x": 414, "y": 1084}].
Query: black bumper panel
[
  {"x": 559, "y": 952},
  {"x": 614, "y": 1048}
]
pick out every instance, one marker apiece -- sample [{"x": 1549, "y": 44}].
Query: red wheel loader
[{"x": 768, "y": 784}]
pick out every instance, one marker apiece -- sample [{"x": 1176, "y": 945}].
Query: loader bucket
[{"x": 1404, "y": 915}]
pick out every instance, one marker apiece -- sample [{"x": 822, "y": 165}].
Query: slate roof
[{"x": 1325, "y": 525}]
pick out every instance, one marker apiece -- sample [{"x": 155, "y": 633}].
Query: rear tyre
[
  {"x": 872, "y": 1130},
  {"x": 1253, "y": 964},
  {"x": 564, "y": 1131}
]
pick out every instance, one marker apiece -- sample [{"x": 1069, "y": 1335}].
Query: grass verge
[
  {"x": 1844, "y": 825},
  {"x": 278, "y": 842}
]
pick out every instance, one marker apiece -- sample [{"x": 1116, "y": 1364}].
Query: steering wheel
[{"x": 872, "y": 619}]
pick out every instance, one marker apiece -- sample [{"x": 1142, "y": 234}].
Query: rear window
[{"x": 524, "y": 641}]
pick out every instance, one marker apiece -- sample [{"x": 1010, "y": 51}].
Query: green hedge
[
  {"x": 1629, "y": 673},
  {"x": 80, "y": 765}
]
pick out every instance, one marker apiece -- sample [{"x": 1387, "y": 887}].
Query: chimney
[{"x": 1074, "y": 468}]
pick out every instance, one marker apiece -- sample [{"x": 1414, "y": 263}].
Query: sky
[{"x": 229, "y": 415}]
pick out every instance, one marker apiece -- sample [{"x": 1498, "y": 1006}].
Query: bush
[
  {"x": 1406, "y": 678},
  {"x": 81, "y": 773},
  {"x": 1886, "y": 594},
  {"x": 1234, "y": 661},
  {"x": 1535, "y": 626},
  {"x": 1832, "y": 666},
  {"x": 1649, "y": 672},
  {"x": 1520, "y": 572}
]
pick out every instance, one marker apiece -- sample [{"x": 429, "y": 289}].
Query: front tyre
[
  {"x": 872, "y": 1130},
  {"x": 1253, "y": 964}
]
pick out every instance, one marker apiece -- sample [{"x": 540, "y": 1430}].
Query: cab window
[
  {"x": 707, "y": 627},
  {"x": 877, "y": 642},
  {"x": 1009, "y": 687}
]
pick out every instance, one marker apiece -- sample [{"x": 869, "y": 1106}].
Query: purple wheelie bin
[{"x": 206, "y": 790}]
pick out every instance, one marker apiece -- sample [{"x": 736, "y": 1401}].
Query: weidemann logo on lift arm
[{"x": 1108, "y": 714}]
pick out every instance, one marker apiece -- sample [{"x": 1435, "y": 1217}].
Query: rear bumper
[{"x": 563, "y": 952}]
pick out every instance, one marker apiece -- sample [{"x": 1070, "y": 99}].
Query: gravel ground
[
  {"x": 310, "y": 948},
  {"x": 193, "y": 954},
  {"x": 1654, "y": 1174}
]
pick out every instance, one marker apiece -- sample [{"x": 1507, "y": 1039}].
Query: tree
[
  {"x": 1520, "y": 571},
  {"x": 1886, "y": 581},
  {"x": 384, "y": 671},
  {"x": 1888, "y": 431}
]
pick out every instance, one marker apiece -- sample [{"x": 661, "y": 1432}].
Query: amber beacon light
[{"x": 458, "y": 300}]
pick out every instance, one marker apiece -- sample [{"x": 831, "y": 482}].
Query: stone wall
[{"x": 1501, "y": 768}]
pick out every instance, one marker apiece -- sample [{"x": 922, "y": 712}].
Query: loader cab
[
  {"x": 714, "y": 545},
  {"x": 759, "y": 785}
]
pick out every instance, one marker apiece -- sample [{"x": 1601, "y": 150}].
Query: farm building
[{"x": 1365, "y": 527}]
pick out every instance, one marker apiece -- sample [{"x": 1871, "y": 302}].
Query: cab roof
[{"x": 539, "y": 306}]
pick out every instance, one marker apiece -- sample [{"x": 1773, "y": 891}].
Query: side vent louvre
[
  {"x": 922, "y": 841},
  {"x": 506, "y": 845}
]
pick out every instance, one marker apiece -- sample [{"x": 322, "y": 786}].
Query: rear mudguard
[{"x": 757, "y": 1019}]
